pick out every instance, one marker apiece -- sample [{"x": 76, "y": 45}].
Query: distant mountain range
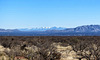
[
  {"x": 86, "y": 30},
  {"x": 9, "y": 30},
  {"x": 42, "y": 29}
]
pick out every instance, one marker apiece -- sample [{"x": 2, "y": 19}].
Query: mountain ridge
[
  {"x": 42, "y": 29},
  {"x": 84, "y": 28}
]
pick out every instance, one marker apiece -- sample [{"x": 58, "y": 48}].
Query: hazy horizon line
[{"x": 48, "y": 27}]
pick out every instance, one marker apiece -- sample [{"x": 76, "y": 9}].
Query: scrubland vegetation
[{"x": 49, "y": 48}]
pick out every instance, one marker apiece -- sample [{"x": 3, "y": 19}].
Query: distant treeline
[{"x": 43, "y": 33}]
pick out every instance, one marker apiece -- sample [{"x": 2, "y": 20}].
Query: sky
[{"x": 48, "y": 13}]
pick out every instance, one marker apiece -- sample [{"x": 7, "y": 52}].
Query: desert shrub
[{"x": 45, "y": 49}]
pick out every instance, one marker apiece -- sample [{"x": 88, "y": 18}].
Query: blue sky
[{"x": 48, "y": 13}]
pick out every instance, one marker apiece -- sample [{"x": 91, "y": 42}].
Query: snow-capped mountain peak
[{"x": 42, "y": 29}]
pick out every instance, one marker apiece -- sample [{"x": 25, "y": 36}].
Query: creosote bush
[{"x": 41, "y": 48}]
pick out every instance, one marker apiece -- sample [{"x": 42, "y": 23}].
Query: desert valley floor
[{"x": 49, "y": 48}]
